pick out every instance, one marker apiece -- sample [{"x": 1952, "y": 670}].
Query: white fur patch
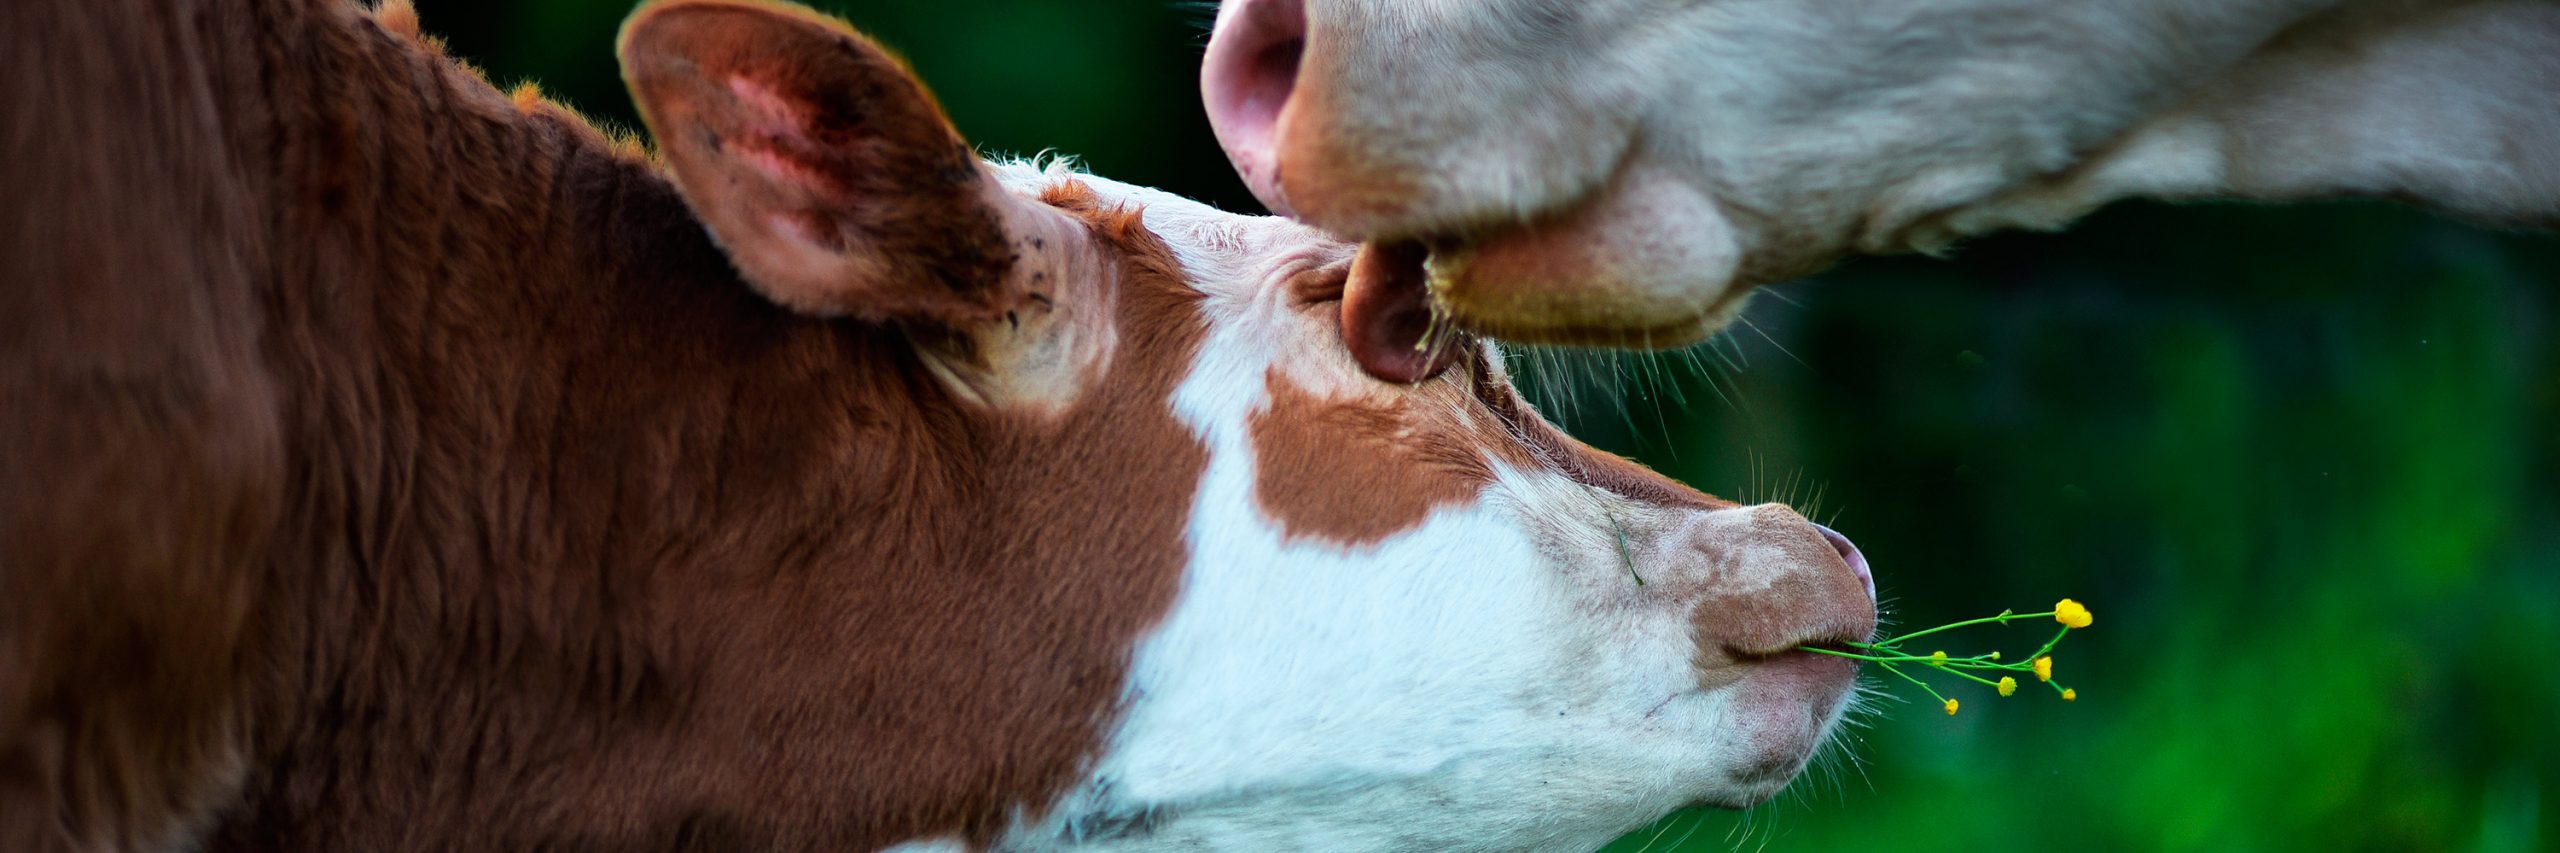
[
  {"x": 1798, "y": 131},
  {"x": 1492, "y": 678}
]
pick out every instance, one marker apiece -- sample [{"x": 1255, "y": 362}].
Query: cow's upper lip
[
  {"x": 1739, "y": 662},
  {"x": 1843, "y": 633}
]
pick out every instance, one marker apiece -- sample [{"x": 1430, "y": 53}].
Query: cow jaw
[
  {"x": 1647, "y": 262},
  {"x": 1495, "y": 660}
]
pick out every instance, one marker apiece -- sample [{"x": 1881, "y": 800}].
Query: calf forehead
[
  {"x": 1337, "y": 456},
  {"x": 1226, "y": 256}
]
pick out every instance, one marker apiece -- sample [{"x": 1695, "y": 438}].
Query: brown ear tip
[
  {"x": 645, "y": 28},
  {"x": 1387, "y": 321},
  {"x": 653, "y": 13}
]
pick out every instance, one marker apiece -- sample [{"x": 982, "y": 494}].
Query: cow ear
[{"x": 820, "y": 163}]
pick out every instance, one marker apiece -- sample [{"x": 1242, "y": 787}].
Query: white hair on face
[
  {"x": 1489, "y": 676},
  {"x": 1709, "y": 147}
]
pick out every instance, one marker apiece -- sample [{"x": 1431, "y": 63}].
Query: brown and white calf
[
  {"x": 1622, "y": 171},
  {"x": 390, "y": 463}
]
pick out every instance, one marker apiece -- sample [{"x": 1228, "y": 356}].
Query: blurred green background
[{"x": 2303, "y": 463}]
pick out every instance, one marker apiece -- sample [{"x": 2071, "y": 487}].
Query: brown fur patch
[
  {"x": 401, "y": 18},
  {"x": 142, "y": 462},
  {"x": 384, "y": 467},
  {"x": 1410, "y": 453},
  {"x": 1355, "y": 471}
]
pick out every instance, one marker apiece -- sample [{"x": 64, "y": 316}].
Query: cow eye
[{"x": 1317, "y": 286}]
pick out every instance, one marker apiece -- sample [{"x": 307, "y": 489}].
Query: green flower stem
[
  {"x": 2049, "y": 644},
  {"x": 1924, "y": 686},
  {"x": 1974, "y": 677},
  {"x": 1891, "y": 654},
  {"x": 2003, "y": 618},
  {"x": 1981, "y": 661}
]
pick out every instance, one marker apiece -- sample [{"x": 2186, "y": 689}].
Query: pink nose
[
  {"x": 1245, "y": 82},
  {"x": 1774, "y": 581}
]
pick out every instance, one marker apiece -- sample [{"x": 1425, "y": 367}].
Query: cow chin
[
  {"x": 1640, "y": 258},
  {"x": 1648, "y": 262},
  {"x": 1771, "y": 585},
  {"x": 1779, "y": 717}
]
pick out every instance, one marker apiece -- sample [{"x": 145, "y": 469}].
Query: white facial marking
[{"x": 1491, "y": 678}]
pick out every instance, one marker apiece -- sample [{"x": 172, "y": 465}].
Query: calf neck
[{"x": 394, "y": 463}]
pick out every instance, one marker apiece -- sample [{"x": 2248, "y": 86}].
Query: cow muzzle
[{"x": 1769, "y": 586}]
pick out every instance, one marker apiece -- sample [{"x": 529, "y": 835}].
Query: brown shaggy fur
[{"x": 389, "y": 464}]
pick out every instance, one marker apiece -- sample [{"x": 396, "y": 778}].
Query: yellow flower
[
  {"x": 2008, "y": 685},
  {"x": 1937, "y": 658},
  {"x": 2068, "y": 695},
  {"x": 1951, "y": 707},
  {"x": 2071, "y": 614},
  {"x": 2044, "y": 668}
]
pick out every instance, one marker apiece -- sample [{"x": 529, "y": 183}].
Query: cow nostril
[
  {"x": 1849, "y": 554},
  {"x": 1274, "y": 74},
  {"x": 1246, "y": 80}
]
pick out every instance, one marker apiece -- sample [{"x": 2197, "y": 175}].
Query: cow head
[
  {"x": 1402, "y": 614},
  {"x": 1619, "y": 172}
]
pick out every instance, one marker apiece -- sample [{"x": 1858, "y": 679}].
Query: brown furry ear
[{"x": 819, "y": 162}]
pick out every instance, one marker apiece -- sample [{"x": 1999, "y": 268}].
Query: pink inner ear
[
  {"x": 781, "y": 168},
  {"x": 796, "y": 229},
  {"x": 771, "y": 128},
  {"x": 778, "y": 111}
]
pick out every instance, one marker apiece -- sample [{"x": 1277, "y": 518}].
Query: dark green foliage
[
  {"x": 2304, "y": 463},
  {"x": 1113, "y": 82}
]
